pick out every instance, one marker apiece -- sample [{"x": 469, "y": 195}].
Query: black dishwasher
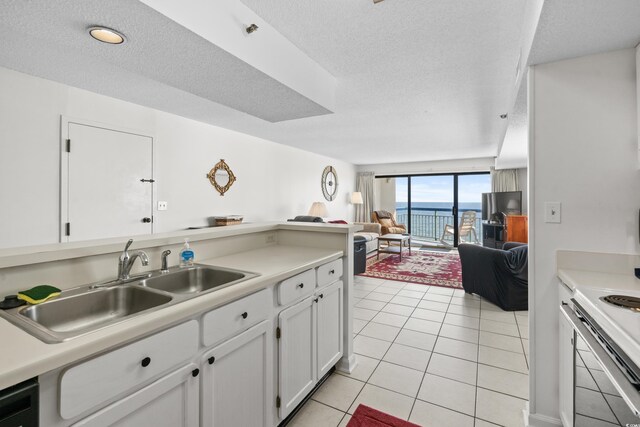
[{"x": 19, "y": 405}]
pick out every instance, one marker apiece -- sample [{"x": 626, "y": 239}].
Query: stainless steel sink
[
  {"x": 87, "y": 308},
  {"x": 195, "y": 279},
  {"x": 93, "y": 309},
  {"x": 74, "y": 315}
]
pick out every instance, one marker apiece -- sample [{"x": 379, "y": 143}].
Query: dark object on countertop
[
  {"x": 11, "y": 301},
  {"x": 359, "y": 254},
  {"x": 637, "y": 271},
  {"x": 499, "y": 275},
  {"x": 306, "y": 218}
]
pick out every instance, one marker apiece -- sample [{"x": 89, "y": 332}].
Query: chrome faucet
[
  {"x": 165, "y": 262},
  {"x": 126, "y": 261}
]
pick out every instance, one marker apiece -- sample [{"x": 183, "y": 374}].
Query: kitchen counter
[
  {"x": 23, "y": 356},
  {"x": 597, "y": 270}
]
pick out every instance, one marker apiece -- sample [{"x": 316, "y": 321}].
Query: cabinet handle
[
  {"x": 244, "y": 315},
  {"x": 211, "y": 360},
  {"x": 195, "y": 372},
  {"x": 315, "y": 300},
  {"x": 301, "y": 285},
  {"x": 321, "y": 295},
  {"x": 145, "y": 362},
  {"x": 332, "y": 272}
]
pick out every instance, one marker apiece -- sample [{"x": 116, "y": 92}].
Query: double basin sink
[{"x": 91, "y": 307}]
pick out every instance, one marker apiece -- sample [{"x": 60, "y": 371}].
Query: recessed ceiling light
[{"x": 106, "y": 35}]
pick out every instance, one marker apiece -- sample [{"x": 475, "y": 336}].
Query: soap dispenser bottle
[{"x": 186, "y": 255}]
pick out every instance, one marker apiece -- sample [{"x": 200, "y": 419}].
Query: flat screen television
[{"x": 508, "y": 202}]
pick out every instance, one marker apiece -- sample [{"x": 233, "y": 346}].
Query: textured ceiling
[
  {"x": 569, "y": 29},
  {"x": 573, "y": 28},
  {"x": 157, "y": 49},
  {"x": 417, "y": 80}
]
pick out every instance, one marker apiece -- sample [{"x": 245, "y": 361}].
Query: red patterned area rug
[
  {"x": 365, "y": 416},
  {"x": 424, "y": 267}
]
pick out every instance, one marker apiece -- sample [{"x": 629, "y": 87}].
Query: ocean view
[
  {"x": 438, "y": 206},
  {"x": 428, "y": 219}
]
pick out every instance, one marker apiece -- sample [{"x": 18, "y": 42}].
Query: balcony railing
[{"x": 429, "y": 223}]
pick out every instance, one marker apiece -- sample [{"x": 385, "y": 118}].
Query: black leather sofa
[{"x": 499, "y": 275}]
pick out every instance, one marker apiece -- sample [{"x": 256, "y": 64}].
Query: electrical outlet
[
  {"x": 552, "y": 212},
  {"x": 162, "y": 206},
  {"x": 270, "y": 238}
]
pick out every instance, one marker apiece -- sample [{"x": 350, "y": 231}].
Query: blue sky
[{"x": 440, "y": 188}]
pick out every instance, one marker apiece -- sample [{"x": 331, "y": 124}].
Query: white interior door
[{"x": 106, "y": 190}]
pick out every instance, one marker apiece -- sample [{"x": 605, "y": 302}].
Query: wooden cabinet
[
  {"x": 171, "y": 401},
  {"x": 237, "y": 386},
  {"x": 566, "y": 370},
  {"x": 310, "y": 344},
  {"x": 517, "y": 227}
]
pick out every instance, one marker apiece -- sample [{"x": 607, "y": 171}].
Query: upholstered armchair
[
  {"x": 388, "y": 223},
  {"x": 499, "y": 275}
]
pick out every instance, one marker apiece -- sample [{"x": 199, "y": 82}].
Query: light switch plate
[
  {"x": 552, "y": 212},
  {"x": 162, "y": 206}
]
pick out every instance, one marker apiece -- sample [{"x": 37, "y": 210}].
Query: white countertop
[
  {"x": 576, "y": 279},
  {"x": 23, "y": 356},
  {"x": 597, "y": 270}
]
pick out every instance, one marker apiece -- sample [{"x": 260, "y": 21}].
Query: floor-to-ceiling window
[{"x": 433, "y": 207}]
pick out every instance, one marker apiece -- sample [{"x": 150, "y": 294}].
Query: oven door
[{"x": 603, "y": 395}]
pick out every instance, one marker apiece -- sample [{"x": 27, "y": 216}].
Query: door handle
[{"x": 146, "y": 219}]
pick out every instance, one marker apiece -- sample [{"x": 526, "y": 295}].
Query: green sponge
[{"x": 38, "y": 294}]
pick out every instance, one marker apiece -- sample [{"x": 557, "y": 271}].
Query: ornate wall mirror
[
  {"x": 221, "y": 177},
  {"x": 329, "y": 183}
]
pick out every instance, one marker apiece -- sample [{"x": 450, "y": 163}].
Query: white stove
[{"x": 621, "y": 324}]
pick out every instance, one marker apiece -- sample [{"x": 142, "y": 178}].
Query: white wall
[
  {"x": 583, "y": 148},
  {"x": 274, "y": 182}
]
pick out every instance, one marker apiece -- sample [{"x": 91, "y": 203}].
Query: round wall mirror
[{"x": 329, "y": 183}]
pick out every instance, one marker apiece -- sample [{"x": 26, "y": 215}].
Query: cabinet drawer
[
  {"x": 296, "y": 287},
  {"x": 98, "y": 380},
  {"x": 235, "y": 317},
  {"x": 329, "y": 272}
]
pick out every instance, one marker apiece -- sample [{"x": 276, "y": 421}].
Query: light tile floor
[{"x": 431, "y": 355}]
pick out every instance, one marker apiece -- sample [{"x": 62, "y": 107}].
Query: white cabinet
[
  {"x": 171, "y": 401},
  {"x": 237, "y": 386},
  {"x": 297, "y": 354},
  {"x": 310, "y": 344},
  {"x": 567, "y": 355},
  {"x": 329, "y": 327},
  {"x": 102, "y": 379}
]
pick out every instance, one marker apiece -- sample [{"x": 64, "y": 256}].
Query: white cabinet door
[
  {"x": 329, "y": 324},
  {"x": 102, "y": 192},
  {"x": 297, "y": 354},
  {"x": 171, "y": 401},
  {"x": 237, "y": 380},
  {"x": 567, "y": 366}
]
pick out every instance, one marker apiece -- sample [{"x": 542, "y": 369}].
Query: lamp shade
[
  {"x": 318, "y": 209},
  {"x": 356, "y": 198}
]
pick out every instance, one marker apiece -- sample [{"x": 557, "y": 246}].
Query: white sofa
[{"x": 370, "y": 232}]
